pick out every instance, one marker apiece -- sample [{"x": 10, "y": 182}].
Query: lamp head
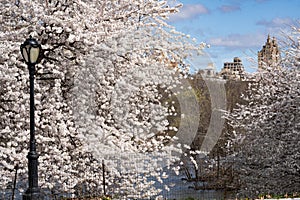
[{"x": 30, "y": 51}]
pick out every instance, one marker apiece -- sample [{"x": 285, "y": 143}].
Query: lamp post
[{"x": 30, "y": 51}]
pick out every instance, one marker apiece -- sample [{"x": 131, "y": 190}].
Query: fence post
[
  {"x": 15, "y": 182},
  {"x": 103, "y": 176}
]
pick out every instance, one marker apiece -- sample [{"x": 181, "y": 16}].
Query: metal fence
[{"x": 174, "y": 186}]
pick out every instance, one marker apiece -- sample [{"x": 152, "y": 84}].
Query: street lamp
[{"x": 30, "y": 51}]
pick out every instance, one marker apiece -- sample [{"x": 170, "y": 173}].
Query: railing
[{"x": 172, "y": 187}]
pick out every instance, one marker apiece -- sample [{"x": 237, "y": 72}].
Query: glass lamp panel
[
  {"x": 34, "y": 54},
  {"x": 25, "y": 52}
]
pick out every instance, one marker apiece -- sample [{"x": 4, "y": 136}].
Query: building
[
  {"x": 209, "y": 71},
  {"x": 233, "y": 70},
  {"x": 269, "y": 55}
]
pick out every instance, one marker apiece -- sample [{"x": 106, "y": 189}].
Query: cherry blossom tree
[
  {"x": 267, "y": 128},
  {"x": 97, "y": 92}
]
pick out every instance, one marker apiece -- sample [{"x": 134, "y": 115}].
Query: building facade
[
  {"x": 233, "y": 70},
  {"x": 269, "y": 55}
]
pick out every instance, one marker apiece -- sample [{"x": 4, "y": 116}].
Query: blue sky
[{"x": 235, "y": 27}]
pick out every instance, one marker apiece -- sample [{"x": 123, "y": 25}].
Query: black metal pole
[
  {"x": 33, "y": 191},
  {"x": 15, "y": 182},
  {"x": 103, "y": 176}
]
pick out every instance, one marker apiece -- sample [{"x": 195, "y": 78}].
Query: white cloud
[
  {"x": 229, "y": 8},
  {"x": 276, "y": 22},
  {"x": 189, "y": 11},
  {"x": 239, "y": 41}
]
